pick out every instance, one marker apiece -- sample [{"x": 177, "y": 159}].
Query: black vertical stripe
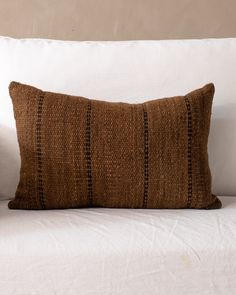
[
  {"x": 88, "y": 154},
  {"x": 39, "y": 157},
  {"x": 146, "y": 157},
  {"x": 189, "y": 150}
]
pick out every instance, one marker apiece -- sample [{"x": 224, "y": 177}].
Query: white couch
[{"x": 116, "y": 251}]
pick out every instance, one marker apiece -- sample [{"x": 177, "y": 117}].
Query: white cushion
[
  {"x": 100, "y": 251},
  {"x": 129, "y": 71}
]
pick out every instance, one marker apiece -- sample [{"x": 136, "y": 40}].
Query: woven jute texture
[{"x": 77, "y": 152}]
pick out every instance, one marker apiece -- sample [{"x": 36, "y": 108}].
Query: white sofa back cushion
[{"x": 128, "y": 71}]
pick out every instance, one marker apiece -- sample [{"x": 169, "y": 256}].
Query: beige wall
[{"x": 118, "y": 19}]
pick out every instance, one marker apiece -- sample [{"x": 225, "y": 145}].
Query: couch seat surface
[{"x": 118, "y": 251}]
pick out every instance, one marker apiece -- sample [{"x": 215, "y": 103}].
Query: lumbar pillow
[{"x": 77, "y": 152}]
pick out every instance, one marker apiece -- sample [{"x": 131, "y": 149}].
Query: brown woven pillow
[{"x": 78, "y": 152}]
